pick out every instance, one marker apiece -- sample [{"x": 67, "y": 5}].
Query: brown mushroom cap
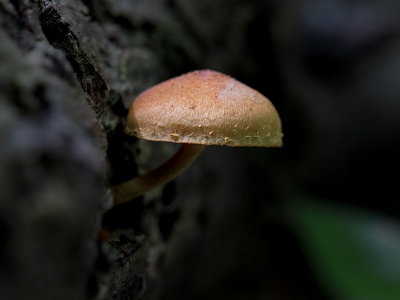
[{"x": 205, "y": 107}]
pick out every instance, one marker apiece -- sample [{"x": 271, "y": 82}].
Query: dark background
[{"x": 316, "y": 219}]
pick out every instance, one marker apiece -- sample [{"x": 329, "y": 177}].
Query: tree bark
[{"x": 64, "y": 77}]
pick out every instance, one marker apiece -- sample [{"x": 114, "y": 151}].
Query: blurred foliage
[{"x": 355, "y": 253}]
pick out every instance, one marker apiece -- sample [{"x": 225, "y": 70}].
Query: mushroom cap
[{"x": 205, "y": 107}]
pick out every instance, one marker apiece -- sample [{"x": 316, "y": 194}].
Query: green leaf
[{"x": 355, "y": 253}]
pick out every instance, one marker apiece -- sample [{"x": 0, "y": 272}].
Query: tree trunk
[{"x": 67, "y": 75}]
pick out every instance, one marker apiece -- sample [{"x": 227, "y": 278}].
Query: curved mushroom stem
[{"x": 137, "y": 186}]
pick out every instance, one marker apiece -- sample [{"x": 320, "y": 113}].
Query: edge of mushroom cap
[{"x": 205, "y": 107}]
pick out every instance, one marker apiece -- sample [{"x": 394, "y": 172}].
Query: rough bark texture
[{"x": 69, "y": 70}]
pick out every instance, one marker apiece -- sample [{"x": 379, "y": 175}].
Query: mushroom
[{"x": 196, "y": 109}]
